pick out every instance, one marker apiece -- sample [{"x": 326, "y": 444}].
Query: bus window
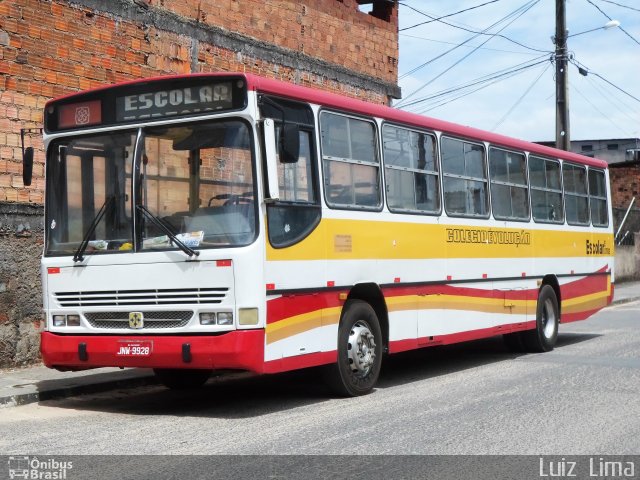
[
  {"x": 297, "y": 212},
  {"x": 199, "y": 180},
  {"x": 546, "y": 190},
  {"x": 509, "y": 198},
  {"x": 465, "y": 180},
  {"x": 90, "y": 182},
  {"x": 598, "y": 198},
  {"x": 351, "y": 165},
  {"x": 576, "y": 200},
  {"x": 411, "y": 170}
]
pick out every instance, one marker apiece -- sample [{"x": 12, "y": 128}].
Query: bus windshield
[{"x": 194, "y": 182}]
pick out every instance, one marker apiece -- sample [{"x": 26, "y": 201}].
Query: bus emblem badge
[{"x": 136, "y": 320}]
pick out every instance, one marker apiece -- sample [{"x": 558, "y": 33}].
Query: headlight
[
  {"x": 207, "y": 318},
  {"x": 73, "y": 320},
  {"x": 225, "y": 318},
  {"x": 59, "y": 321}
]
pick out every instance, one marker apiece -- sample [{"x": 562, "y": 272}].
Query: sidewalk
[{"x": 20, "y": 386}]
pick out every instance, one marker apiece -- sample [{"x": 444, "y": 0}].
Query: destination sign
[
  {"x": 178, "y": 101},
  {"x": 147, "y": 101}
]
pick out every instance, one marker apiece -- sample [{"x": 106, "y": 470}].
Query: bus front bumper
[{"x": 237, "y": 350}]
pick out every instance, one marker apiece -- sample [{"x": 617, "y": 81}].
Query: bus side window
[
  {"x": 576, "y": 200},
  {"x": 411, "y": 170},
  {"x": 509, "y": 196},
  {"x": 546, "y": 190},
  {"x": 465, "y": 179},
  {"x": 598, "y": 198},
  {"x": 351, "y": 164}
]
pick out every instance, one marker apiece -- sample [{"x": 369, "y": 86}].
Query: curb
[{"x": 78, "y": 386}]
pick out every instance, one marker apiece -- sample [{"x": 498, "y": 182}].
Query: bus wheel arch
[
  {"x": 360, "y": 343},
  {"x": 372, "y": 294}
]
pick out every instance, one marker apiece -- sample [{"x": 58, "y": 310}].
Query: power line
[
  {"x": 479, "y": 80},
  {"x": 516, "y": 14},
  {"x": 443, "y": 16},
  {"x": 621, "y": 5},
  {"x": 495, "y": 80},
  {"x": 517, "y": 102},
  {"x": 483, "y": 32},
  {"x": 596, "y": 108},
  {"x": 612, "y": 99},
  {"x": 603, "y": 13},
  {"x": 588, "y": 71},
  {"x": 466, "y": 46}
]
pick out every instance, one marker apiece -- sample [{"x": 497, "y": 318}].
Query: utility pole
[{"x": 563, "y": 140}]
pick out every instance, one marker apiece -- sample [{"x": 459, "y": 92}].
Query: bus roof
[{"x": 332, "y": 100}]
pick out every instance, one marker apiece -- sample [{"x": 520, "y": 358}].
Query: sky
[{"x": 522, "y": 104}]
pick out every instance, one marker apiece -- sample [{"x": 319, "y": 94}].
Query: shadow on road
[{"x": 243, "y": 395}]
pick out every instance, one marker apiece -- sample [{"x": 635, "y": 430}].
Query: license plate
[{"x": 140, "y": 348}]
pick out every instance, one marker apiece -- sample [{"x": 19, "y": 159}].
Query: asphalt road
[{"x": 476, "y": 398}]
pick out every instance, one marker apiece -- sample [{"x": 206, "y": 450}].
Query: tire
[
  {"x": 514, "y": 342},
  {"x": 181, "y": 379},
  {"x": 359, "y": 351},
  {"x": 543, "y": 337}
]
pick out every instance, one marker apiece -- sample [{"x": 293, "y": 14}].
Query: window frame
[
  {"x": 605, "y": 198},
  {"x": 526, "y": 185},
  {"x": 437, "y": 173},
  {"x": 575, "y": 194},
  {"x": 445, "y": 175},
  {"x": 323, "y": 158},
  {"x": 546, "y": 189}
]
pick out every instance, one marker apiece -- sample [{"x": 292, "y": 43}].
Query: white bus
[{"x": 229, "y": 221}]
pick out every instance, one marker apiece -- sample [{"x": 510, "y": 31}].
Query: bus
[{"x": 233, "y": 222}]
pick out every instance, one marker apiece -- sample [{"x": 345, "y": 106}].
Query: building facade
[{"x": 49, "y": 48}]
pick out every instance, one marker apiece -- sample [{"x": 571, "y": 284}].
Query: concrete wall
[
  {"x": 50, "y": 48},
  {"x": 21, "y": 238}
]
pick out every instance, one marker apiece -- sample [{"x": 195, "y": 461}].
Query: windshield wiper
[
  {"x": 78, "y": 256},
  {"x": 163, "y": 226}
]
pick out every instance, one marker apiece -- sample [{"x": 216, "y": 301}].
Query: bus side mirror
[
  {"x": 290, "y": 148},
  {"x": 27, "y": 166}
]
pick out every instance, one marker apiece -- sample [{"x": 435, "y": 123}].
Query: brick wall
[
  {"x": 50, "y": 48},
  {"x": 625, "y": 184}
]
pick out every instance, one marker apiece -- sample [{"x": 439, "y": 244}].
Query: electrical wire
[
  {"x": 482, "y": 32},
  {"x": 603, "y": 13},
  {"x": 479, "y": 80},
  {"x": 621, "y": 5},
  {"x": 612, "y": 99},
  {"x": 519, "y": 100},
  {"x": 589, "y": 71},
  {"x": 466, "y": 46},
  {"x": 516, "y": 14},
  {"x": 596, "y": 108},
  {"x": 443, "y": 16},
  {"x": 488, "y": 84}
]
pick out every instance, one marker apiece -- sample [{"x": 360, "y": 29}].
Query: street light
[{"x": 610, "y": 24}]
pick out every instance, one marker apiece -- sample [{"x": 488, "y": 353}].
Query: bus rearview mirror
[
  {"x": 27, "y": 166},
  {"x": 290, "y": 147}
]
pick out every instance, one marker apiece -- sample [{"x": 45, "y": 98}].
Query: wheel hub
[{"x": 361, "y": 348}]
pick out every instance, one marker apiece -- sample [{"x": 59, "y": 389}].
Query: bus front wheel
[
  {"x": 543, "y": 337},
  {"x": 181, "y": 379},
  {"x": 359, "y": 351}
]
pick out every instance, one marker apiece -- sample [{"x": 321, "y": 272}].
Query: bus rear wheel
[
  {"x": 359, "y": 351},
  {"x": 543, "y": 337},
  {"x": 181, "y": 379}
]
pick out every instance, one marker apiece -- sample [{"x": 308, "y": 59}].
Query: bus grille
[
  {"x": 172, "y": 296},
  {"x": 175, "y": 319}
]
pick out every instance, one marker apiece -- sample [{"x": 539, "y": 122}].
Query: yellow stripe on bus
[{"x": 336, "y": 239}]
